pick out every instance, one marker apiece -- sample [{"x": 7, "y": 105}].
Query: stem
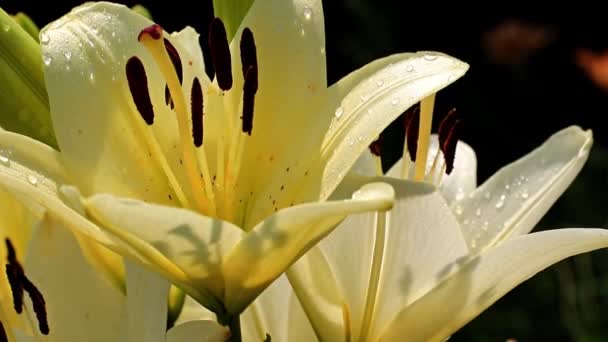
[{"x": 234, "y": 324}]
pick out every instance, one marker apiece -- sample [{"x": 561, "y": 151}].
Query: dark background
[{"x": 514, "y": 96}]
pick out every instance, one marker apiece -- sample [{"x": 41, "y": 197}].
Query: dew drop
[
  {"x": 47, "y": 60},
  {"x": 430, "y": 58},
  {"x": 501, "y": 202},
  {"x": 485, "y": 225},
  {"x": 68, "y": 55},
  {"x": 507, "y": 187},
  {"x": 474, "y": 244},
  {"x": 395, "y": 101},
  {"x": 91, "y": 77},
  {"x": 307, "y": 13},
  {"x": 45, "y": 39},
  {"x": 478, "y": 212},
  {"x": 409, "y": 68},
  {"x": 302, "y": 32},
  {"x": 379, "y": 83},
  {"x": 339, "y": 112},
  {"x": 460, "y": 195},
  {"x": 458, "y": 210},
  {"x": 113, "y": 34},
  {"x": 4, "y": 160},
  {"x": 6, "y": 27},
  {"x": 524, "y": 194},
  {"x": 32, "y": 179}
]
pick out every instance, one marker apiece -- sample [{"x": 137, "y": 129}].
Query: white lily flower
[
  {"x": 219, "y": 204},
  {"x": 448, "y": 249}
]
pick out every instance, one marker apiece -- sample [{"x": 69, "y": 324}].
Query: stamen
[
  {"x": 196, "y": 104},
  {"x": 411, "y": 133},
  {"x": 157, "y": 49},
  {"x": 424, "y": 135},
  {"x": 376, "y": 149},
  {"x": 14, "y": 273},
  {"x": 220, "y": 54},
  {"x": 3, "y": 337},
  {"x": 138, "y": 85},
  {"x": 411, "y": 144},
  {"x": 249, "y": 90},
  {"x": 446, "y": 125},
  {"x": 168, "y": 99},
  {"x": 175, "y": 59},
  {"x": 39, "y": 305},
  {"x": 248, "y": 52},
  {"x": 449, "y": 147}
]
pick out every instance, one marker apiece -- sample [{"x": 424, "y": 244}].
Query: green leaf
[
  {"x": 23, "y": 98},
  {"x": 142, "y": 11},
  {"x": 28, "y": 25},
  {"x": 232, "y": 13}
]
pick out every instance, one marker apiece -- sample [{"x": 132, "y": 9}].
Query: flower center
[
  {"x": 19, "y": 283},
  {"x": 212, "y": 193}
]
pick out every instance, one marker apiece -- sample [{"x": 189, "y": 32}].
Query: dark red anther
[
  {"x": 196, "y": 106},
  {"x": 449, "y": 146},
  {"x": 39, "y": 305},
  {"x": 14, "y": 275},
  {"x": 248, "y": 54},
  {"x": 249, "y": 90},
  {"x": 446, "y": 125},
  {"x": 168, "y": 98},
  {"x": 220, "y": 54},
  {"x": 138, "y": 85},
  {"x": 3, "y": 337},
  {"x": 411, "y": 124},
  {"x": 175, "y": 59},
  {"x": 154, "y": 31},
  {"x": 376, "y": 147}
]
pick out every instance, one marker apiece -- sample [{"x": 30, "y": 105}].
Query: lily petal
[
  {"x": 480, "y": 282},
  {"x": 102, "y": 137},
  {"x": 201, "y": 330},
  {"x": 365, "y": 110},
  {"x": 57, "y": 267},
  {"x": 461, "y": 181},
  {"x": 514, "y": 199},
  {"x": 419, "y": 225},
  {"x": 190, "y": 243},
  {"x": 275, "y": 243},
  {"x": 147, "y": 295}
]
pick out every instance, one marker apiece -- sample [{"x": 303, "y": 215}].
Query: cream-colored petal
[
  {"x": 172, "y": 240},
  {"x": 275, "y": 243},
  {"x": 460, "y": 182},
  {"x": 290, "y": 42},
  {"x": 481, "y": 281},
  {"x": 200, "y": 331},
  {"x": 81, "y": 304},
  {"x": 513, "y": 200},
  {"x": 102, "y": 137},
  {"x": 363, "y": 111},
  {"x": 147, "y": 295},
  {"x": 419, "y": 243},
  {"x": 271, "y": 314}
]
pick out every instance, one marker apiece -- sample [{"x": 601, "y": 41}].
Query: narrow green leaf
[
  {"x": 28, "y": 25},
  {"x": 24, "y": 104}
]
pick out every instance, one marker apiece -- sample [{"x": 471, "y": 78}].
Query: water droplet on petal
[
  {"x": 485, "y": 225},
  {"x": 91, "y": 77},
  {"x": 458, "y": 210},
  {"x": 6, "y": 27},
  {"x": 501, "y": 202},
  {"x": 478, "y": 212},
  {"x": 524, "y": 194},
  {"x": 395, "y": 101},
  {"x": 339, "y": 112},
  {"x": 409, "y": 68},
  {"x": 507, "y": 187},
  {"x": 307, "y": 12},
  {"x": 32, "y": 179},
  {"x": 47, "y": 60},
  {"x": 379, "y": 83},
  {"x": 113, "y": 34},
  {"x": 45, "y": 39},
  {"x": 4, "y": 160},
  {"x": 68, "y": 55},
  {"x": 430, "y": 58}
]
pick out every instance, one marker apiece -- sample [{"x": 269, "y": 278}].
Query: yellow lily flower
[
  {"x": 448, "y": 249},
  {"x": 219, "y": 204}
]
